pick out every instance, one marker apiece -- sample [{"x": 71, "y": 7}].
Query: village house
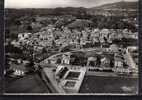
[{"x": 66, "y": 58}]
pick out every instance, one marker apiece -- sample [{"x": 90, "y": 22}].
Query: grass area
[
  {"x": 28, "y": 84},
  {"x": 100, "y": 84}
]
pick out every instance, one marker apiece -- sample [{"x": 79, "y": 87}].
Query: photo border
[{"x": 64, "y": 97}]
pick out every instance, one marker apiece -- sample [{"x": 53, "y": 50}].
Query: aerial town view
[{"x": 74, "y": 47}]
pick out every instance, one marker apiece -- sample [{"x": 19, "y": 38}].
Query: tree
[
  {"x": 44, "y": 50},
  {"x": 53, "y": 43},
  {"x": 31, "y": 66},
  {"x": 98, "y": 61},
  {"x": 29, "y": 28}
]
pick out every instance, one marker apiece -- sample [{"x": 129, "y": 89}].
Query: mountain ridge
[{"x": 119, "y": 5}]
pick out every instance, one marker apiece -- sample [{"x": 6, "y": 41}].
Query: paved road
[{"x": 83, "y": 50}]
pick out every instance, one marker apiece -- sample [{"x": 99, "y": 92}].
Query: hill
[
  {"x": 80, "y": 23},
  {"x": 119, "y": 5}
]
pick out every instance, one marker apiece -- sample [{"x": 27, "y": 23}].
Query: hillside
[
  {"x": 80, "y": 23},
  {"x": 119, "y": 5},
  {"x": 131, "y": 6}
]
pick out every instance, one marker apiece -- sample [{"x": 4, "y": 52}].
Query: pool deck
[
  {"x": 60, "y": 86},
  {"x": 78, "y": 81}
]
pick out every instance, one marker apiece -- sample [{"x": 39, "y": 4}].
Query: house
[
  {"x": 19, "y": 70},
  {"x": 22, "y": 36},
  {"x": 118, "y": 62},
  {"x": 131, "y": 55},
  {"x": 104, "y": 33},
  {"x": 105, "y": 62},
  {"x": 15, "y": 43},
  {"x": 66, "y": 58},
  {"x": 113, "y": 48},
  {"x": 134, "y": 35},
  {"x": 92, "y": 61}
]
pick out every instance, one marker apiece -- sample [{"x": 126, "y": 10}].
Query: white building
[
  {"x": 66, "y": 58},
  {"x": 113, "y": 48},
  {"x": 22, "y": 36},
  {"x": 105, "y": 61},
  {"x": 130, "y": 60},
  {"x": 118, "y": 63},
  {"x": 92, "y": 61}
]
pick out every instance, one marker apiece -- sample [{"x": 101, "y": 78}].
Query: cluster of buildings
[
  {"x": 63, "y": 77},
  {"x": 113, "y": 57},
  {"x": 50, "y": 37},
  {"x": 59, "y": 71}
]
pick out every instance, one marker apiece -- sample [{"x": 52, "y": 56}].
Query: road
[{"x": 83, "y": 50}]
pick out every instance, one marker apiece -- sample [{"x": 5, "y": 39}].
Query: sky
[{"x": 56, "y": 3}]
